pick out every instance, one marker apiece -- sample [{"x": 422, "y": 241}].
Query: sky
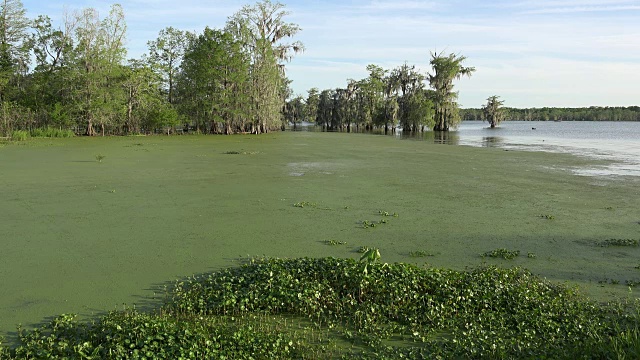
[{"x": 531, "y": 53}]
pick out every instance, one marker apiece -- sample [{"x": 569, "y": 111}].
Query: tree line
[
  {"x": 387, "y": 98},
  {"x": 76, "y": 76},
  {"x": 593, "y": 113}
]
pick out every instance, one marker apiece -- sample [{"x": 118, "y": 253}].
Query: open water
[{"x": 618, "y": 142}]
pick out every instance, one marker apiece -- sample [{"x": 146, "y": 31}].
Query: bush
[
  {"x": 50, "y": 132},
  {"x": 320, "y": 308},
  {"x": 19, "y": 135}
]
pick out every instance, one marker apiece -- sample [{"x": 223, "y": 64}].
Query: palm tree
[{"x": 446, "y": 69}]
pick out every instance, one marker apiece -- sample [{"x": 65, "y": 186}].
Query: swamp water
[
  {"x": 616, "y": 142},
  {"x": 82, "y": 236}
]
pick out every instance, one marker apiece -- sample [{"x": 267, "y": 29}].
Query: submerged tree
[
  {"x": 493, "y": 111},
  {"x": 445, "y": 70},
  {"x": 263, "y": 30},
  {"x": 213, "y": 83}
]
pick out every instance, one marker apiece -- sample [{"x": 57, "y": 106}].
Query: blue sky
[{"x": 531, "y": 53}]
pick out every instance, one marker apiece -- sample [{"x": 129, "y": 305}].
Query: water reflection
[
  {"x": 613, "y": 141},
  {"x": 436, "y": 137},
  {"x": 492, "y": 141}
]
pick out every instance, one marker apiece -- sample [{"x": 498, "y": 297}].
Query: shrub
[
  {"x": 19, "y": 135},
  {"x": 293, "y": 308},
  {"x": 50, "y": 132}
]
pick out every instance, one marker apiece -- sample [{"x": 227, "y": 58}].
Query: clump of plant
[
  {"x": 20, "y": 135},
  {"x": 234, "y": 152},
  {"x": 49, "y": 132},
  {"x": 547, "y": 216},
  {"x": 386, "y": 213},
  {"x": 531, "y": 255},
  {"x": 301, "y": 308},
  {"x": 335, "y": 242},
  {"x": 100, "y": 157},
  {"x": 363, "y": 249},
  {"x": 302, "y": 204},
  {"x": 367, "y": 224},
  {"x": 502, "y": 253},
  {"x": 420, "y": 253},
  {"x": 619, "y": 242},
  {"x": 373, "y": 223}
]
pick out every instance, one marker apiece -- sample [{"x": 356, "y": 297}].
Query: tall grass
[
  {"x": 50, "y": 132},
  {"x": 20, "y": 135}
]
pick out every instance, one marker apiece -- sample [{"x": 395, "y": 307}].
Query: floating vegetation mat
[{"x": 331, "y": 308}]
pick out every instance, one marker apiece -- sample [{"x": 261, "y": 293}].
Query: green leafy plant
[
  {"x": 100, "y": 157},
  {"x": 49, "y": 132},
  {"x": 547, "y": 216},
  {"x": 308, "y": 307},
  {"x": 20, "y": 135},
  {"x": 335, "y": 242},
  {"x": 502, "y": 253},
  {"x": 368, "y": 258},
  {"x": 420, "y": 253},
  {"x": 363, "y": 249},
  {"x": 302, "y": 204},
  {"x": 531, "y": 255},
  {"x": 386, "y": 213}
]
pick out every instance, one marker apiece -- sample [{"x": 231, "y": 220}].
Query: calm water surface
[{"x": 618, "y": 142}]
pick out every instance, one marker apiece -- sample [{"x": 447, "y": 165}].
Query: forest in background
[
  {"x": 76, "y": 79},
  {"x": 77, "y": 76},
  {"x": 593, "y": 113}
]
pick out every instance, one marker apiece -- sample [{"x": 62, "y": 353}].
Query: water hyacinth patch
[{"x": 329, "y": 308}]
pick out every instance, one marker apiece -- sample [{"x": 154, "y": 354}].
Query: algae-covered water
[{"x": 82, "y": 236}]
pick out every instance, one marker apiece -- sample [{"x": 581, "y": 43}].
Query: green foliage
[
  {"x": 302, "y": 204},
  {"x": 493, "y": 111},
  {"x": 547, "y": 217},
  {"x": 50, "y": 132},
  {"x": 420, "y": 253},
  {"x": 393, "y": 311},
  {"x": 619, "y": 242},
  {"x": 502, "y": 253},
  {"x": 100, "y": 157},
  {"x": 335, "y": 242},
  {"x": 20, "y": 135},
  {"x": 591, "y": 113},
  {"x": 445, "y": 70},
  {"x": 386, "y": 213}
]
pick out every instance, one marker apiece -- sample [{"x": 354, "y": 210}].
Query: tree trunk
[{"x": 90, "y": 131}]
